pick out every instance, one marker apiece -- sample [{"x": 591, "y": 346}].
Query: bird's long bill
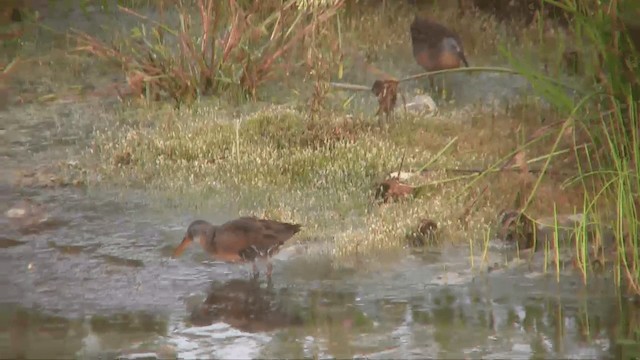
[
  {"x": 464, "y": 60},
  {"x": 186, "y": 241}
]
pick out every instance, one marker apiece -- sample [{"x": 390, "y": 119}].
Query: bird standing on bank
[{"x": 436, "y": 47}]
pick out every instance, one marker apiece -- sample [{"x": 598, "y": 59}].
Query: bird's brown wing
[
  {"x": 247, "y": 238},
  {"x": 429, "y": 34},
  {"x": 235, "y": 237},
  {"x": 271, "y": 237},
  {"x": 278, "y": 231}
]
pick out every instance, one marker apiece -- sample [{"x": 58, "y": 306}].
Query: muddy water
[{"x": 101, "y": 284}]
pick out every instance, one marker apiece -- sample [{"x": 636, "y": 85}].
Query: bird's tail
[{"x": 295, "y": 227}]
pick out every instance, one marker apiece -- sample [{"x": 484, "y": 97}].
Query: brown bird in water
[
  {"x": 245, "y": 239},
  {"x": 435, "y": 47}
]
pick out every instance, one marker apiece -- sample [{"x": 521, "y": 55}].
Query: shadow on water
[{"x": 246, "y": 306}]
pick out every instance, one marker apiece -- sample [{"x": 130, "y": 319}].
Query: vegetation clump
[{"x": 228, "y": 46}]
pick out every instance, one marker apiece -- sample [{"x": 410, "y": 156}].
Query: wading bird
[
  {"x": 245, "y": 239},
  {"x": 435, "y": 47}
]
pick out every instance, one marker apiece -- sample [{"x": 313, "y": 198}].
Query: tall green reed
[{"x": 601, "y": 124}]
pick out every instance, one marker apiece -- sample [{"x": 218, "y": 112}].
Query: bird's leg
[
  {"x": 442, "y": 88},
  {"x": 256, "y": 273},
  {"x": 269, "y": 270}
]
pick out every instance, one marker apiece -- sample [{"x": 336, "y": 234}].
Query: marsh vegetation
[
  {"x": 231, "y": 103},
  {"x": 230, "y": 107}
]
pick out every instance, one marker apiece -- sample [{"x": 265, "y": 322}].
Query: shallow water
[
  {"x": 118, "y": 293},
  {"x": 96, "y": 280}
]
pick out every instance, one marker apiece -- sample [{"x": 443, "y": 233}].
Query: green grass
[
  {"x": 606, "y": 120},
  {"x": 278, "y": 163}
]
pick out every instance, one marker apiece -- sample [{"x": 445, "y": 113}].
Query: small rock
[
  {"x": 422, "y": 103},
  {"x": 28, "y": 217},
  {"x": 15, "y": 213},
  {"x": 27, "y": 213}
]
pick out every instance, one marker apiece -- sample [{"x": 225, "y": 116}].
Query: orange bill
[{"x": 186, "y": 241}]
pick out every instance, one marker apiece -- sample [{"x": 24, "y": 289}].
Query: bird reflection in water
[{"x": 246, "y": 306}]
